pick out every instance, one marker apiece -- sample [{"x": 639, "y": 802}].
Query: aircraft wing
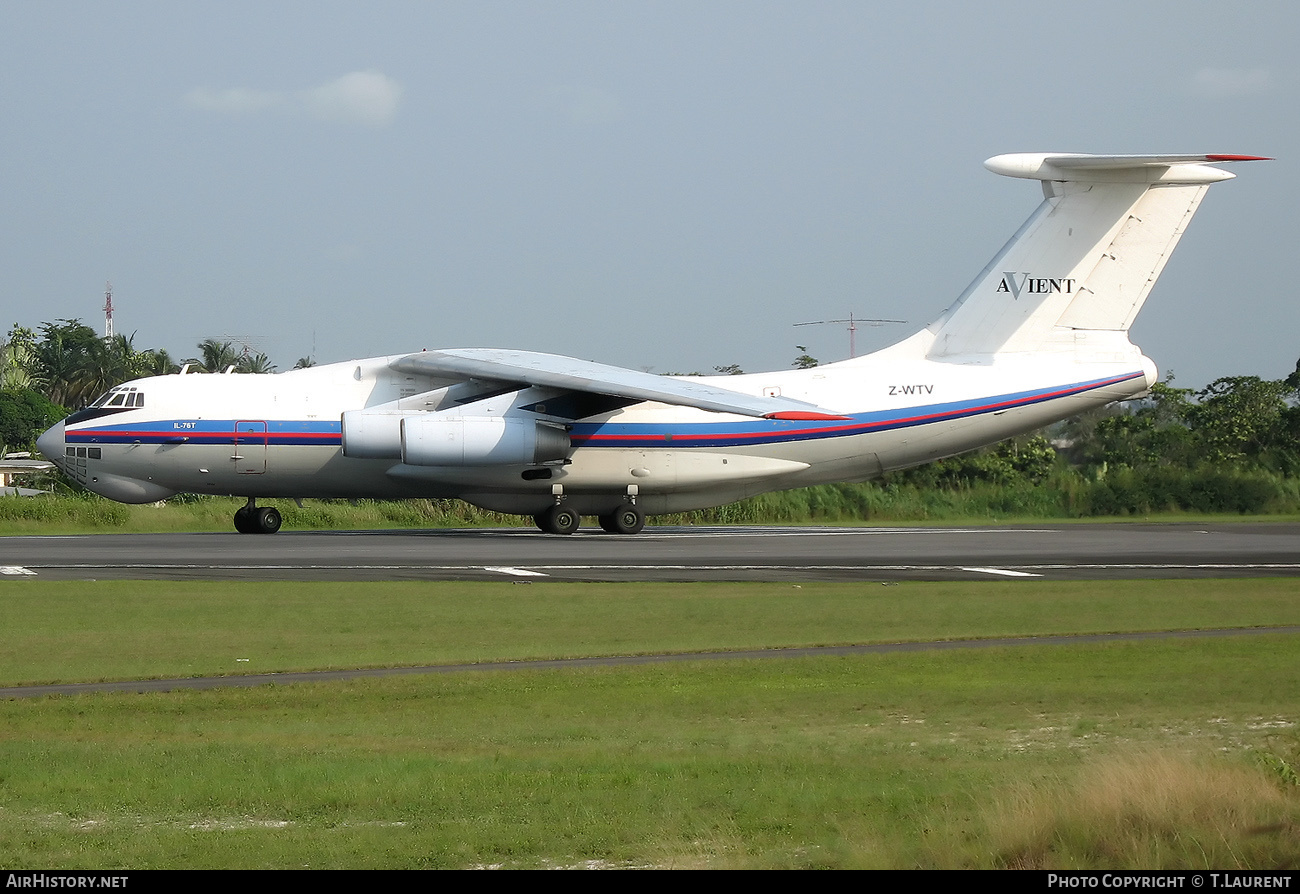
[{"x": 570, "y": 374}]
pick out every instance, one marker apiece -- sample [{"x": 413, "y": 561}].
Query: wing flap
[{"x": 572, "y": 374}]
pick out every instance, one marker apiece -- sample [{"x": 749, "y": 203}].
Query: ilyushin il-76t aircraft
[{"x": 1040, "y": 335}]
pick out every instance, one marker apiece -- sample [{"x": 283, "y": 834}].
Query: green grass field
[
  {"x": 1159, "y": 753},
  {"x": 106, "y": 630}
]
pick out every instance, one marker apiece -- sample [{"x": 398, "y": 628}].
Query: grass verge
[
  {"x": 70, "y": 631},
  {"x": 863, "y": 504},
  {"x": 1126, "y": 754}
]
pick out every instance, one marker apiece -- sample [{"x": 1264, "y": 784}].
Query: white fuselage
[{"x": 281, "y": 435}]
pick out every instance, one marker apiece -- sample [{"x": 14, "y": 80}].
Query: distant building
[{"x": 15, "y": 464}]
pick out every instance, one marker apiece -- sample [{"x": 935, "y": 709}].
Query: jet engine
[
  {"x": 443, "y": 440},
  {"x": 447, "y": 439},
  {"x": 372, "y": 435}
]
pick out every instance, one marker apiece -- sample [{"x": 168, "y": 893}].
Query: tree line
[
  {"x": 71, "y": 365},
  {"x": 64, "y": 365},
  {"x": 1230, "y": 447}
]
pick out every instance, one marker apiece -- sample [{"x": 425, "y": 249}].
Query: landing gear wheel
[
  {"x": 268, "y": 520},
  {"x": 558, "y": 520},
  {"x": 627, "y": 519},
  {"x": 244, "y": 520}
]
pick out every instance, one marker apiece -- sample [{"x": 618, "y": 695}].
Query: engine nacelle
[
  {"x": 372, "y": 435},
  {"x": 436, "y": 439}
]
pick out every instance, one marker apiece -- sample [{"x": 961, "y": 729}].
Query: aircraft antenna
[
  {"x": 853, "y": 328},
  {"x": 108, "y": 310}
]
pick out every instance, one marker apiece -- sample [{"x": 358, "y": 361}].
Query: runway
[{"x": 1049, "y": 552}]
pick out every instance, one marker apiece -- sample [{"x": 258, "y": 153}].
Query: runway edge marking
[
  {"x": 516, "y": 572},
  {"x": 1005, "y": 572}
]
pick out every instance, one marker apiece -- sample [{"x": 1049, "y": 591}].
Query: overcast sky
[{"x": 664, "y": 185}]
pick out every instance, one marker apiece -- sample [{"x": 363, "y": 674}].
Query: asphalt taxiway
[{"x": 1052, "y": 551}]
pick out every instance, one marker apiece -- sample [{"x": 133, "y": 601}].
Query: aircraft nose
[{"x": 51, "y": 443}]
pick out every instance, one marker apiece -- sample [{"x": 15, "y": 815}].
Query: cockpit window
[{"x": 121, "y": 396}]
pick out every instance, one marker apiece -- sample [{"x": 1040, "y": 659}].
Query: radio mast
[{"x": 108, "y": 310}]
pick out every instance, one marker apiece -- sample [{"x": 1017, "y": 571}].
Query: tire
[
  {"x": 243, "y": 523},
  {"x": 559, "y": 520},
  {"x": 628, "y": 519},
  {"x": 268, "y": 520}
]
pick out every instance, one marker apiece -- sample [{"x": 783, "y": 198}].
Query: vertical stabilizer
[{"x": 1086, "y": 259}]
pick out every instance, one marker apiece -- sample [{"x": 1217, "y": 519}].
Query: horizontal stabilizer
[{"x": 1114, "y": 168}]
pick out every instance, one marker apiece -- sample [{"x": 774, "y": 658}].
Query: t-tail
[{"x": 1074, "y": 276}]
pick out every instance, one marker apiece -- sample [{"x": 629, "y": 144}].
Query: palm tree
[
  {"x": 254, "y": 363},
  {"x": 159, "y": 363},
  {"x": 217, "y": 356},
  {"x": 122, "y": 362},
  {"x": 66, "y": 360},
  {"x": 71, "y": 365}
]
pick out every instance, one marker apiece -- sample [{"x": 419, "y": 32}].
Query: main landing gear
[
  {"x": 251, "y": 520},
  {"x": 560, "y": 519}
]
